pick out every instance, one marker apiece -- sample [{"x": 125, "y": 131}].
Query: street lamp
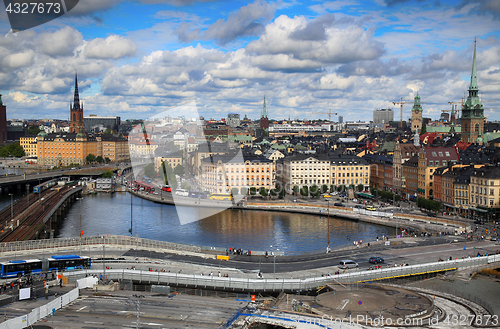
[
  {"x": 80, "y": 199},
  {"x": 274, "y": 262},
  {"x": 328, "y": 228},
  {"x": 11, "y": 205}
]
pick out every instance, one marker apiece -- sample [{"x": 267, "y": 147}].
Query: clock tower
[
  {"x": 473, "y": 110},
  {"x": 416, "y": 115}
]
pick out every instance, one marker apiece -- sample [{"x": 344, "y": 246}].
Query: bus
[
  {"x": 182, "y": 192},
  {"x": 198, "y": 194},
  {"x": 221, "y": 197},
  {"x": 166, "y": 188},
  {"x": 18, "y": 268}
]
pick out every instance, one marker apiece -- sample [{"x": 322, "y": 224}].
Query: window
[
  {"x": 492, "y": 191},
  {"x": 491, "y": 202}
]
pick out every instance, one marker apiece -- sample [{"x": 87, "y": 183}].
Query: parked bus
[
  {"x": 198, "y": 194},
  {"x": 182, "y": 192},
  {"x": 166, "y": 188},
  {"x": 18, "y": 268},
  {"x": 221, "y": 197}
]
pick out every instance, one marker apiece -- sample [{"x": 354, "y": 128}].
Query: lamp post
[
  {"x": 328, "y": 228},
  {"x": 11, "y": 205},
  {"x": 80, "y": 199},
  {"x": 274, "y": 262}
]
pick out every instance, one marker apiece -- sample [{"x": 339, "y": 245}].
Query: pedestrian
[{"x": 60, "y": 282}]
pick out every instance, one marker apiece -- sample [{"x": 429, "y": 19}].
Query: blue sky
[{"x": 137, "y": 59}]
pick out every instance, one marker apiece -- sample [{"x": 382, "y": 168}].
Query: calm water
[{"x": 254, "y": 230}]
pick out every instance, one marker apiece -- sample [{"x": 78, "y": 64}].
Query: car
[
  {"x": 431, "y": 214},
  {"x": 478, "y": 222},
  {"x": 342, "y": 195},
  {"x": 358, "y": 206},
  {"x": 371, "y": 208},
  {"x": 346, "y": 264},
  {"x": 327, "y": 196},
  {"x": 355, "y": 200},
  {"x": 338, "y": 204},
  {"x": 376, "y": 260}
]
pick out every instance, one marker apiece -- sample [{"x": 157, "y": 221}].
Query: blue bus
[{"x": 18, "y": 268}]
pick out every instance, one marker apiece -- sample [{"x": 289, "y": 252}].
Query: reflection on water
[{"x": 254, "y": 230}]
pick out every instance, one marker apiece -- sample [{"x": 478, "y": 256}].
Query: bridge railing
[{"x": 257, "y": 284}]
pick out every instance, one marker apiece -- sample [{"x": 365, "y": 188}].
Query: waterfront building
[
  {"x": 409, "y": 180},
  {"x": 223, "y": 173},
  {"x": 63, "y": 149},
  {"x": 305, "y": 169},
  {"x": 484, "y": 191},
  {"x": 349, "y": 170},
  {"x": 28, "y": 144},
  {"x": 116, "y": 149},
  {"x": 141, "y": 148},
  {"x": 171, "y": 155},
  {"x": 380, "y": 171},
  {"x": 429, "y": 159},
  {"x": 416, "y": 115},
  {"x": 472, "y": 118},
  {"x": 383, "y": 116},
  {"x": 402, "y": 153}
]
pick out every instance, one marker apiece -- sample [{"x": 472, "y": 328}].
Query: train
[
  {"x": 19, "y": 268},
  {"x": 44, "y": 186}
]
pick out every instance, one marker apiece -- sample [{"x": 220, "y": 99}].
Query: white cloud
[
  {"x": 61, "y": 42},
  {"x": 112, "y": 47},
  {"x": 19, "y": 60}
]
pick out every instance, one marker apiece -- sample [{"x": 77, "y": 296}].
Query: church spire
[
  {"x": 76, "y": 102},
  {"x": 264, "y": 110},
  {"x": 473, "y": 78}
]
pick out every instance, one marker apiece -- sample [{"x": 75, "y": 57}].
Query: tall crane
[
  {"x": 329, "y": 114},
  {"x": 401, "y": 103}
]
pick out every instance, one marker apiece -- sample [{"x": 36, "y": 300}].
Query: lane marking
[
  {"x": 345, "y": 302},
  {"x": 81, "y": 308}
]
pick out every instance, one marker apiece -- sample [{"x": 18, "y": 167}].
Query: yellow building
[
  {"x": 114, "y": 148},
  {"x": 64, "y": 149},
  {"x": 28, "y": 144},
  {"x": 349, "y": 170},
  {"x": 220, "y": 174},
  {"x": 484, "y": 191}
]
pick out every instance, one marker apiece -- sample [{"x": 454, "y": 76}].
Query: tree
[
  {"x": 324, "y": 188},
  {"x": 360, "y": 187},
  {"x": 186, "y": 186},
  {"x": 33, "y": 130},
  {"x": 14, "y": 149},
  {"x": 90, "y": 158},
  {"x": 273, "y": 192},
  {"x": 234, "y": 191},
  {"x": 107, "y": 174},
  {"x": 295, "y": 190},
  {"x": 424, "y": 128},
  {"x": 244, "y": 190},
  {"x": 107, "y": 160},
  {"x": 304, "y": 191},
  {"x": 263, "y": 191},
  {"x": 99, "y": 159},
  {"x": 108, "y": 132},
  {"x": 314, "y": 190},
  {"x": 333, "y": 188},
  {"x": 179, "y": 170},
  {"x": 253, "y": 190}
]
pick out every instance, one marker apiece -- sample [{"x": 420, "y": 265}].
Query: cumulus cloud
[
  {"x": 375, "y": 68},
  {"x": 482, "y": 7},
  {"x": 112, "y": 47},
  {"x": 59, "y": 43},
  {"x": 249, "y": 20},
  {"x": 18, "y": 60}
]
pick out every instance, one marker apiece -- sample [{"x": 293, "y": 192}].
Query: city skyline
[{"x": 137, "y": 59}]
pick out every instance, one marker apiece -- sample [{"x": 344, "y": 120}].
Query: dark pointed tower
[
  {"x": 76, "y": 112},
  {"x": 264, "y": 121},
  {"x": 473, "y": 110}
]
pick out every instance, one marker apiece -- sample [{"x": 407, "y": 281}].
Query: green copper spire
[
  {"x": 473, "y": 77},
  {"x": 264, "y": 110},
  {"x": 1, "y": 100}
]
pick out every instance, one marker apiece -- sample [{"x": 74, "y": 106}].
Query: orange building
[{"x": 63, "y": 149}]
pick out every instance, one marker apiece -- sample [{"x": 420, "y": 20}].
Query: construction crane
[
  {"x": 329, "y": 114},
  {"x": 401, "y": 103}
]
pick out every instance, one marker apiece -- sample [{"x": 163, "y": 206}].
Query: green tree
[
  {"x": 263, "y": 191},
  {"x": 99, "y": 159},
  {"x": 360, "y": 187},
  {"x": 107, "y": 160},
  {"x": 107, "y": 174},
  {"x": 15, "y": 149},
  {"x": 304, "y": 191},
  {"x": 33, "y": 130},
  {"x": 90, "y": 158},
  {"x": 295, "y": 190},
  {"x": 179, "y": 170},
  {"x": 424, "y": 128},
  {"x": 186, "y": 186},
  {"x": 324, "y": 188},
  {"x": 333, "y": 188},
  {"x": 274, "y": 192},
  {"x": 314, "y": 190},
  {"x": 253, "y": 190},
  {"x": 108, "y": 132}
]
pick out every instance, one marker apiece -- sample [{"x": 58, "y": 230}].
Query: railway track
[{"x": 31, "y": 216}]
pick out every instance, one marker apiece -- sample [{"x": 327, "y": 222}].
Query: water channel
[{"x": 248, "y": 229}]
